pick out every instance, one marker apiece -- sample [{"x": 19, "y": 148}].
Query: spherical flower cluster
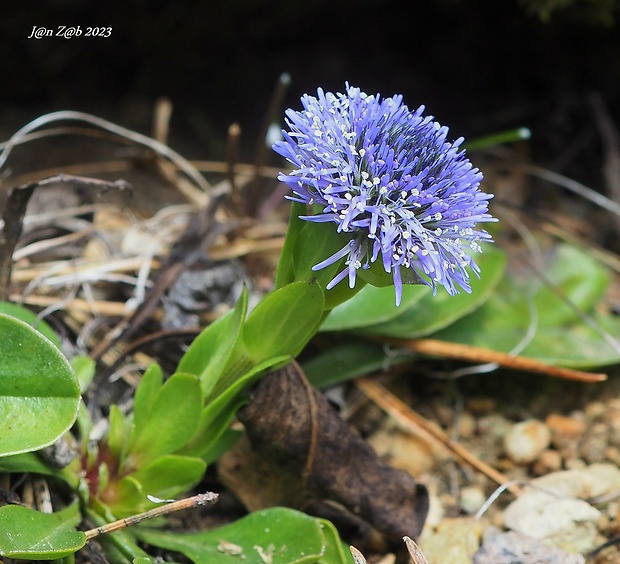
[{"x": 388, "y": 177}]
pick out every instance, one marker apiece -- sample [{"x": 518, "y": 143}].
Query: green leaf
[
  {"x": 143, "y": 405},
  {"x": 308, "y": 244},
  {"x": 169, "y": 423},
  {"x": 222, "y": 443},
  {"x": 210, "y": 352},
  {"x": 25, "y": 462},
  {"x": 29, "y": 317},
  {"x": 373, "y": 305},
  {"x": 31, "y": 462},
  {"x": 26, "y": 534},
  {"x": 39, "y": 394},
  {"x": 335, "y": 550},
  {"x": 215, "y": 420},
  {"x": 84, "y": 368},
  {"x": 575, "y": 274},
  {"x": 285, "y": 273},
  {"x": 495, "y": 139},
  {"x": 348, "y": 360},
  {"x": 284, "y": 321},
  {"x": 277, "y": 535},
  {"x": 220, "y": 409},
  {"x": 165, "y": 477},
  {"x": 170, "y": 475},
  {"x": 118, "y": 430},
  {"x": 432, "y": 313},
  {"x": 315, "y": 243},
  {"x": 561, "y": 336}
]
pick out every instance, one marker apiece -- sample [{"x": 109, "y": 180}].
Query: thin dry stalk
[
  {"x": 414, "y": 421},
  {"x": 434, "y": 347}
]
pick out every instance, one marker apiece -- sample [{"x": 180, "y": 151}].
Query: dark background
[{"x": 480, "y": 66}]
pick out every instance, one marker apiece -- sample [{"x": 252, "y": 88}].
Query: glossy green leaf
[
  {"x": 26, "y": 534},
  {"x": 169, "y": 423},
  {"x": 277, "y": 535},
  {"x": 39, "y": 394},
  {"x": 560, "y": 334},
  {"x": 170, "y": 475},
  {"x": 576, "y": 344},
  {"x": 165, "y": 478},
  {"x": 210, "y": 352},
  {"x": 372, "y": 305},
  {"x": 336, "y": 552},
  {"x": 29, "y": 317},
  {"x": 432, "y": 313},
  {"x": 284, "y": 321}
]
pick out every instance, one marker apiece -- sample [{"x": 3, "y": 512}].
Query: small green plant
[{"x": 384, "y": 210}]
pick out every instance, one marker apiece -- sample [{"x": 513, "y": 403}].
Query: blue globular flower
[{"x": 390, "y": 179}]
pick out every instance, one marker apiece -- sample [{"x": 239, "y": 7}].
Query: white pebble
[{"x": 526, "y": 440}]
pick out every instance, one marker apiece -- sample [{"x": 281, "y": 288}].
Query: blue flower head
[{"x": 389, "y": 178}]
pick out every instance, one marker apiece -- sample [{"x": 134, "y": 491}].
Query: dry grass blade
[
  {"x": 570, "y": 184},
  {"x": 13, "y": 218},
  {"x": 195, "y": 501},
  {"x": 419, "y": 425},
  {"x": 358, "y": 557},
  {"x": 457, "y": 351},
  {"x": 414, "y": 551},
  {"x": 181, "y": 162}
]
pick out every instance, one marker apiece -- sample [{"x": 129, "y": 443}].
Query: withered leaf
[{"x": 293, "y": 427}]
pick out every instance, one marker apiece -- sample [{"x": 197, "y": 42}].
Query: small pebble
[
  {"x": 507, "y": 548},
  {"x": 466, "y": 425},
  {"x": 444, "y": 414},
  {"x": 526, "y": 440},
  {"x": 566, "y": 433},
  {"x": 613, "y": 421},
  {"x": 453, "y": 541},
  {"x": 594, "y": 410},
  {"x": 548, "y": 461},
  {"x": 472, "y": 499},
  {"x": 574, "y": 464},
  {"x": 594, "y": 443},
  {"x": 565, "y": 426},
  {"x": 612, "y": 454},
  {"x": 481, "y": 406},
  {"x": 494, "y": 425}
]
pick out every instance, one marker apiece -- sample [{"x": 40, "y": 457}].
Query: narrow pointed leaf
[
  {"x": 171, "y": 422},
  {"x": 210, "y": 352}
]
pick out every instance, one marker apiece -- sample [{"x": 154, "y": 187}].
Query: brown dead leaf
[{"x": 292, "y": 425}]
